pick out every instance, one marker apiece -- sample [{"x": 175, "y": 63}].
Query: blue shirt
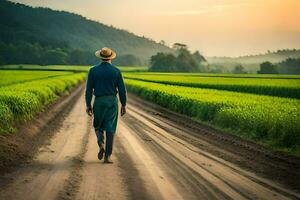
[{"x": 103, "y": 80}]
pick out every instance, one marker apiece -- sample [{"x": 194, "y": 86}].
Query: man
[{"x": 105, "y": 81}]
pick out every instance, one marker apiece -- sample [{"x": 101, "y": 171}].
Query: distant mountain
[
  {"x": 47, "y": 28},
  {"x": 252, "y": 62},
  {"x": 274, "y": 57}
]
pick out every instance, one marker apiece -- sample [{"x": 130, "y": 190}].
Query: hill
[
  {"x": 46, "y": 28},
  {"x": 252, "y": 62}
]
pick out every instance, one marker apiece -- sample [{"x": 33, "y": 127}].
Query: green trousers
[{"x": 106, "y": 114}]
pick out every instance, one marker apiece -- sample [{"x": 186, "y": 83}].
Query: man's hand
[
  {"x": 123, "y": 110},
  {"x": 89, "y": 111}
]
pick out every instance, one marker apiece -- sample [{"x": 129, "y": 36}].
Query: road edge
[{"x": 19, "y": 148}]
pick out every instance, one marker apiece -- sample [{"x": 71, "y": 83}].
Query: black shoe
[
  {"x": 101, "y": 153},
  {"x": 107, "y": 160}
]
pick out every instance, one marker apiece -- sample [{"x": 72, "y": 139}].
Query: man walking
[{"x": 105, "y": 81}]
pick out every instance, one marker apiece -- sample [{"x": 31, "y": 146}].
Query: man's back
[{"x": 105, "y": 80}]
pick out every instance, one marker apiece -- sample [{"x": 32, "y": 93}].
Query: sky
[{"x": 214, "y": 27}]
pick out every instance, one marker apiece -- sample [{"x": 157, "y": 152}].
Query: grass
[
  {"x": 273, "y": 86},
  {"x": 272, "y": 121}
]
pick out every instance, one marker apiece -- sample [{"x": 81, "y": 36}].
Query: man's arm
[
  {"x": 89, "y": 93},
  {"x": 122, "y": 93}
]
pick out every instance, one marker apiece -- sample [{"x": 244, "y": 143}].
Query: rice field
[
  {"x": 263, "y": 108},
  {"x": 18, "y": 76},
  {"x": 68, "y": 68},
  {"x": 23, "y": 93},
  {"x": 274, "y": 85},
  {"x": 270, "y": 120}
]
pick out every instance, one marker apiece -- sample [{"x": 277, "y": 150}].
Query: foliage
[
  {"x": 271, "y": 120},
  {"x": 178, "y": 46},
  {"x": 163, "y": 62},
  {"x": 239, "y": 69},
  {"x": 27, "y": 53},
  {"x": 72, "y": 68},
  {"x": 33, "y": 31},
  {"x": 267, "y": 68},
  {"x": 281, "y": 86},
  {"x": 19, "y": 101},
  {"x": 183, "y": 62},
  {"x": 128, "y": 60},
  {"x": 290, "y": 66}
]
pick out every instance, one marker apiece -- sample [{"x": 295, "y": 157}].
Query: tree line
[
  {"x": 27, "y": 53},
  {"x": 288, "y": 66},
  {"x": 181, "y": 61}
]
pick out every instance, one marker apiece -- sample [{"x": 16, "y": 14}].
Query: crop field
[
  {"x": 270, "y": 120},
  {"x": 264, "y": 108},
  {"x": 23, "y": 93},
  {"x": 10, "y": 77},
  {"x": 269, "y": 76},
  {"x": 68, "y": 68},
  {"x": 47, "y": 67},
  {"x": 281, "y": 86}
]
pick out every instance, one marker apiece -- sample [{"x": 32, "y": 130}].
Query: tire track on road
[
  {"x": 45, "y": 176},
  {"x": 239, "y": 183}
]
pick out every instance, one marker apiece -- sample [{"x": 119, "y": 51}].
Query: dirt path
[{"x": 154, "y": 157}]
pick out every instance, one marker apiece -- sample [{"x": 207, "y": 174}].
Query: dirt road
[{"x": 157, "y": 155}]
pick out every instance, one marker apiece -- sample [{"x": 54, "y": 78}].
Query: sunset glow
[{"x": 215, "y": 27}]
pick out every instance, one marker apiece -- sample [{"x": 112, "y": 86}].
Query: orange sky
[{"x": 215, "y": 27}]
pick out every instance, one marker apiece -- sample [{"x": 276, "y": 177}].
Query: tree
[
  {"x": 162, "y": 42},
  {"x": 201, "y": 61},
  {"x": 290, "y": 66},
  {"x": 178, "y": 46},
  {"x": 2, "y": 62},
  {"x": 77, "y": 57},
  {"x": 267, "y": 68},
  {"x": 239, "y": 69},
  {"x": 128, "y": 60},
  {"x": 54, "y": 56},
  {"x": 183, "y": 62},
  {"x": 198, "y": 57},
  {"x": 162, "y": 62}
]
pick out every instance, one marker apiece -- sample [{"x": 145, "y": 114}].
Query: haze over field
[{"x": 216, "y": 28}]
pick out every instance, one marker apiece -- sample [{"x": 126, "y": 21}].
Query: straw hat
[{"x": 105, "y": 53}]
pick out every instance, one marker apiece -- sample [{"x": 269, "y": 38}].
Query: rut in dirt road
[
  {"x": 197, "y": 174},
  {"x": 45, "y": 176},
  {"x": 154, "y": 158}
]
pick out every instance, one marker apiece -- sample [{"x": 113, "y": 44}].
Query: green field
[
  {"x": 68, "y": 68},
  {"x": 269, "y": 76},
  {"x": 280, "y": 86},
  {"x": 23, "y": 93},
  {"x": 270, "y": 120},
  {"x": 10, "y": 77},
  {"x": 263, "y": 108}
]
